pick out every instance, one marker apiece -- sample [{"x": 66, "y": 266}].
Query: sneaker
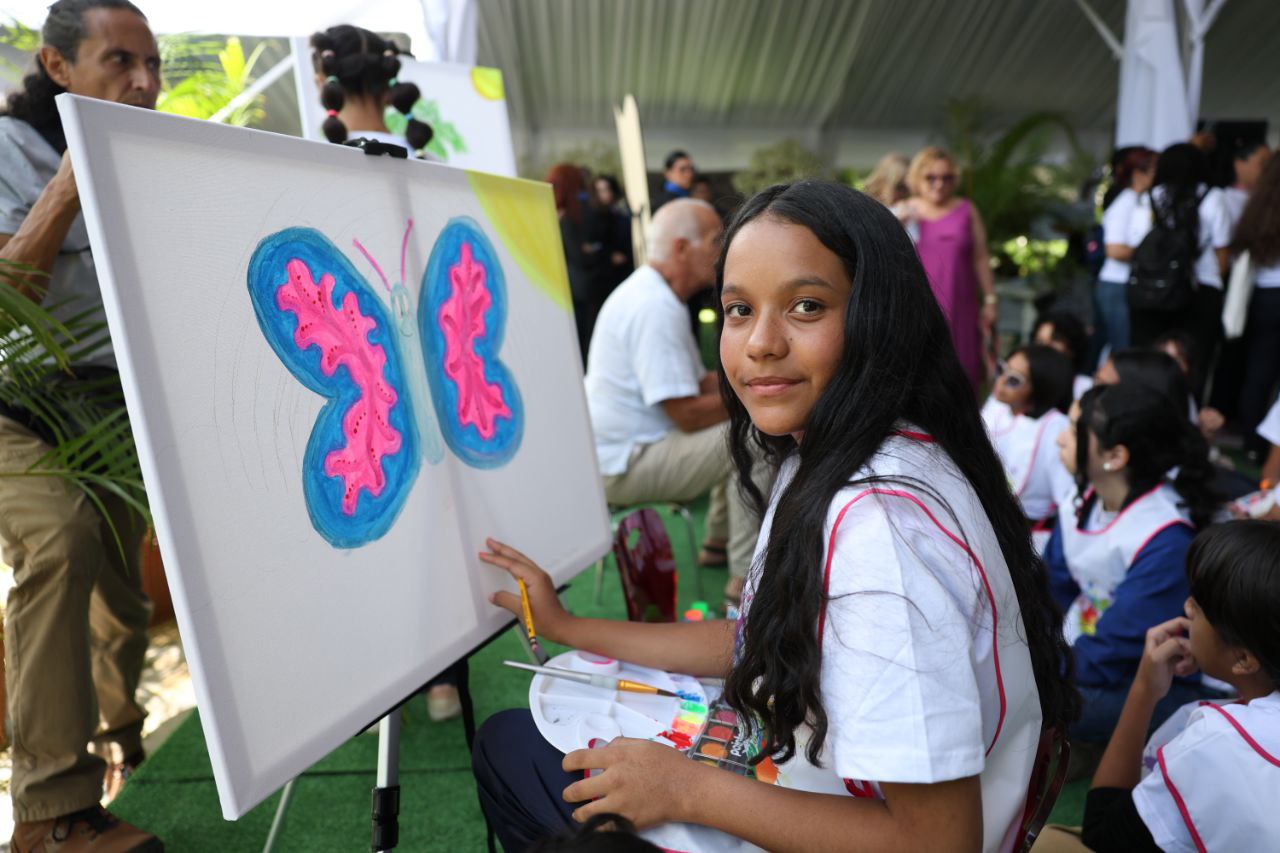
[
  {"x": 117, "y": 774},
  {"x": 91, "y": 830},
  {"x": 443, "y": 702}
]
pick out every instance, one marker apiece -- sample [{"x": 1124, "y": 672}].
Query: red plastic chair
[
  {"x": 1048, "y": 774},
  {"x": 647, "y": 567}
]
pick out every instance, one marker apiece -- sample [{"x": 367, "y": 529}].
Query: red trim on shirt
[
  {"x": 1035, "y": 451},
  {"x": 1257, "y": 747},
  {"x": 1156, "y": 533},
  {"x": 915, "y": 436},
  {"x": 861, "y": 790},
  {"x": 1179, "y": 802},
  {"x": 995, "y": 635},
  {"x": 1112, "y": 522}
]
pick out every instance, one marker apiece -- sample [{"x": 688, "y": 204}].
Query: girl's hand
[
  {"x": 549, "y": 616},
  {"x": 1167, "y": 653},
  {"x": 643, "y": 781}
]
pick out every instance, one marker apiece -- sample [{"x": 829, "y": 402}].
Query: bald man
[{"x": 659, "y": 421}]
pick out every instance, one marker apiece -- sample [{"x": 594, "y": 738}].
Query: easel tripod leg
[{"x": 277, "y": 822}]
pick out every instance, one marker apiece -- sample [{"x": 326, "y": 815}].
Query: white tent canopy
[{"x": 851, "y": 78}]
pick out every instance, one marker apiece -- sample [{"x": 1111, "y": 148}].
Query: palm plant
[
  {"x": 84, "y": 418},
  {"x": 1008, "y": 176},
  {"x": 208, "y": 76}
]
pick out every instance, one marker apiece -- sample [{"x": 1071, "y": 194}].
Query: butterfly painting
[{"x": 402, "y": 385}]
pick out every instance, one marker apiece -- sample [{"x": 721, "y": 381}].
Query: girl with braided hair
[{"x": 356, "y": 71}]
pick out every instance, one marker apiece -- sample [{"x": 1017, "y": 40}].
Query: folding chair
[
  {"x": 675, "y": 508},
  {"x": 646, "y": 567}
]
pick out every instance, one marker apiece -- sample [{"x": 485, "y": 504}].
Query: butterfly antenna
[
  {"x": 404, "y": 247},
  {"x": 376, "y": 268}
]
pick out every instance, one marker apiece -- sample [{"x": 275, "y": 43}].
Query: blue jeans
[
  {"x": 1111, "y": 310},
  {"x": 1102, "y": 706}
]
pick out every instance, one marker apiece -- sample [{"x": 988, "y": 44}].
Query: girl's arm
[
  {"x": 982, "y": 269},
  {"x": 695, "y": 648},
  {"x": 653, "y": 784},
  {"x": 1062, "y": 587}
]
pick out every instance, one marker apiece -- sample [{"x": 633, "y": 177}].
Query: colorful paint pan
[
  {"x": 711, "y": 749},
  {"x": 720, "y": 732}
]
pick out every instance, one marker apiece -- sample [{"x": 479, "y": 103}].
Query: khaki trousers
[
  {"x": 75, "y": 633},
  {"x": 680, "y": 467}
]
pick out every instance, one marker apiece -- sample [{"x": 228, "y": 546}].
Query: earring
[{"x": 1106, "y": 466}]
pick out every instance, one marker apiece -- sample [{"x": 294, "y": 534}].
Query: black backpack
[{"x": 1162, "y": 272}]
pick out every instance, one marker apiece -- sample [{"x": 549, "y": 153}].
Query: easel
[{"x": 386, "y": 792}]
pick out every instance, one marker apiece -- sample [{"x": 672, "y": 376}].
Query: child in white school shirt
[
  {"x": 898, "y": 647},
  {"x": 1208, "y": 778}
]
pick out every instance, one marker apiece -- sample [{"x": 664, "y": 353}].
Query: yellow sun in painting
[{"x": 487, "y": 83}]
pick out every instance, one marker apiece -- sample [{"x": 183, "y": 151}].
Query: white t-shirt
[
  {"x": 1028, "y": 449},
  {"x": 1215, "y": 232},
  {"x": 1214, "y": 786},
  {"x": 1270, "y": 426},
  {"x": 1268, "y": 276},
  {"x": 642, "y": 352},
  {"x": 1235, "y": 200},
  {"x": 926, "y": 675},
  {"x": 1118, "y": 226}
]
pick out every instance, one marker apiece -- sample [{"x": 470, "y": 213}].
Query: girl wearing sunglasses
[{"x": 1026, "y": 411}]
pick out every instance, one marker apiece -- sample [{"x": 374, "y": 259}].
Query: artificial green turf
[{"x": 173, "y": 794}]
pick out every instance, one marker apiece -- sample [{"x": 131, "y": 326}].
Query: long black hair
[
  {"x": 1234, "y": 573},
  {"x": 356, "y": 61},
  {"x": 898, "y": 365},
  {"x": 1159, "y": 437},
  {"x": 1181, "y": 169},
  {"x": 1051, "y": 378},
  {"x": 63, "y": 30},
  {"x": 1156, "y": 370}
]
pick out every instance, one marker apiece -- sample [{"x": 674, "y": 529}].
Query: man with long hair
[{"x": 75, "y": 626}]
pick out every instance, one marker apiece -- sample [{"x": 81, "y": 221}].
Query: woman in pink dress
[{"x": 952, "y": 243}]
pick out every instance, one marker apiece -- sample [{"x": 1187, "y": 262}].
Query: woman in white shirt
[
  {"x": 1259, "y": 234},
  {"x": 1180, "y": 199},
  {"x": 1132, "y": 170}
]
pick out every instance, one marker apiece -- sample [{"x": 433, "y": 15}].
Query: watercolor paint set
[
  {"x": 727, "y": 743},
  {"x": 570, "y": 715}
]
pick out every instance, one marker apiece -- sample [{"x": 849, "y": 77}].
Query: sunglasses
[
  {"x": 940, "y": 179},
  {"x": 1012, "y": 379}
]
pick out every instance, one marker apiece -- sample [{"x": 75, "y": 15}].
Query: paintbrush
[
  {"x": 539, "y": 655},
  {"x": 608, "y": 682}
]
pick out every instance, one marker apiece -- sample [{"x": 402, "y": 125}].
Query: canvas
[
  {"x": 465, "y": 105},
  {"x": 343, "y": 372}
]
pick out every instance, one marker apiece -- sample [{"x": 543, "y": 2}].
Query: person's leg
[
  {"x": 1202, "y": 320},
  {"x": 678, "y": 467},
  {"x": 1113, "y": 313},
  {"x": 51, "y": 539},
  {"x": 119, "y": 613},
  {"x": 718, "y": 515},
  {"x": 1100, "y": 709},
  {"x": 1262, "y": 365},
  {"x": 744, "y": 521},
  {"x": 519, "y": 780}
]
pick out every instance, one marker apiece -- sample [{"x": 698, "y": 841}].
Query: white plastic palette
[{"x": 570, "y": 715}]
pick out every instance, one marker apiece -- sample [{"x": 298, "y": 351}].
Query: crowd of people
[{"x": 927, "y": 577}]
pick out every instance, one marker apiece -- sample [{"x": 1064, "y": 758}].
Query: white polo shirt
[{"x": 642, "y": 352}]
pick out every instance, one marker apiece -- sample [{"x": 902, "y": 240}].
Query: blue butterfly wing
[
  {"x": 362, "y": 456},
  {"x": 462, "y": 315}
]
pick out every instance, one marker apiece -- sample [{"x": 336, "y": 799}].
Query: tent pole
[{"x": 1117, "y": 50}]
